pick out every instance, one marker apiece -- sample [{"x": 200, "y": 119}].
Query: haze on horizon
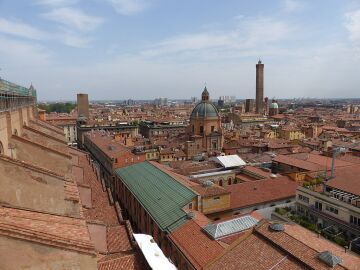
[{"x": 143, "y": 49}]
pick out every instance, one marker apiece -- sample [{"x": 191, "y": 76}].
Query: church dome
[
  {"x": 205, "y": 109},
  {"x": 274, "y": 105}
]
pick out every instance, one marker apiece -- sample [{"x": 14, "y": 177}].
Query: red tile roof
[
  {"x": 195, "y": 244},
  {"x": 59, "y": 231},
  {"x": 346, "y": 179},
  {"x": 261, "y": 191},
  {"x": 122, "y": 262},
  {"x": 117, "y": 239}
]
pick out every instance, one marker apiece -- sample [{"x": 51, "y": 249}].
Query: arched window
[
  {"x": 1, "y": 149},
  {"x": 15, "y": 132},
  {"x": 220, "y": 182},
  {"x": 229, "y": 181}
]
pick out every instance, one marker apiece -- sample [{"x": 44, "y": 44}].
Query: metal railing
[
  {"x": 10, "y": 88},
  {"x": 13, "y": 96}
]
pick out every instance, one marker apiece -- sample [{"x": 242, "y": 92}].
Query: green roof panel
[{"x": 162, "y": 196}]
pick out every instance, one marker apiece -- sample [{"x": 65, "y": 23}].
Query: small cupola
[{"x": 205, "y": 95}]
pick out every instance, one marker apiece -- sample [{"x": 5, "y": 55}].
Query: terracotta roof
[
  {"x": 58, "y": 231},
  {"x": 195, "y": 244},
  {"x": 350, "y": 260},
  {"x": 250, "y": 252},
  {"x": 117, "y": 239},
  {"x": 122, "y": 262},
  {"x": 210, "y": 190},
  {"x": 298, "y": 163},
  {"x": 101, "y": 210},
  {"x": 265, "y": 249},
  {"x": 261, "y": 191},
  {"x": 346, "y": 179},
  {"x": 293, "y": 247}
]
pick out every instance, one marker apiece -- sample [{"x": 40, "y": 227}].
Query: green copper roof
[
  {"x": 161, "y": 195},
  {"x": 205, "y": 109}
]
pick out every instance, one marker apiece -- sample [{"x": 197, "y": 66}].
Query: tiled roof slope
[
  {"x": 261, "y": 191},
  {"x": 58, "y": 231},
  {"x": 195, "y": 244},
  {"x": 265, "y": 249},
  {"x": 121, "y": 262},
  {"x": 162, "y": 196},
  {"x": 253, "y": 253},
  {"x": 117, "y": 239},
  {"x": 101, "y": 210}
]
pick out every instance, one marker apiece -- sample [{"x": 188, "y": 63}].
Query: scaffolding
[{"x": 13, "y": 96}]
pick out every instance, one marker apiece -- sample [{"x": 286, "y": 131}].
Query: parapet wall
[{"x": 12, "y": 122}]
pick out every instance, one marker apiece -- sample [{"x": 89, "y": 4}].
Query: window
[
  {"x": 355, "y": 220},
  {"x": 216, "y": 198},
  {"x": 303, "y": 198},
  {"x": 332, "y": 209},
  {"x": 201, "y": 129},
  {"x": 212, "y": 128},
  {"x": 318, "y": 206},
  {"x": 126, "y": 160},
  {"x": 220, "y": 182}
]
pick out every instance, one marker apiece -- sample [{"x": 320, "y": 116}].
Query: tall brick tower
[
  {"x": 83, "y": 105},
  {"x": 260, "y": 87}
]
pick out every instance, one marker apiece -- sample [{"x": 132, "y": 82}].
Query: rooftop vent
[
  {"x": 329, "y": 258},
  {"x": 277, "y": 227},
  {"x": 190, "y": 215},
  {"x": 207, "y": 183}
]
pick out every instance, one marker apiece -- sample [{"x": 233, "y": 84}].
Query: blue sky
[{"x": 143, "y": 49}]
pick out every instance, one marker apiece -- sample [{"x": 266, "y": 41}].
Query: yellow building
[{"x": 291, "y": 133}]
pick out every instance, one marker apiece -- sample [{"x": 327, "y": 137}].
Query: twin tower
[{"x": 259, "y": 88}]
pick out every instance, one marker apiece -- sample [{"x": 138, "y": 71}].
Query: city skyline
[{"x": 122, "y": 49}]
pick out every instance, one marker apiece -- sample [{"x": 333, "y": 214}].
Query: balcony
[{"x": 345, "y": 225}]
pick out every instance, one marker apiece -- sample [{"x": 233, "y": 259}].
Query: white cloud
[
  {"x": 56, "y": 2},
  {"x": 129, "y": 7},
  {"x": 65, "y": 36},
  {"x": 74, "y": 19},
  {"x": 247, "y": 34},
  {"x": 293, "y": 5},
  {"x": 23, "y": 53},
  {"x": 73, "y": 39},
  {"x": 353, "y": 26},
  {"x": 20, "y": 29}
]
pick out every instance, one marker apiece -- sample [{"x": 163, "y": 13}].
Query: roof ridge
[
  {"x": 44, "y": 238},
  {"x": 34, "y": 167},
  {"x": 292, "y": 254},
  {"x": 37, "y": 211},
  {"x": 44, "y": 134},
  {"x": 41, "y": 146}
]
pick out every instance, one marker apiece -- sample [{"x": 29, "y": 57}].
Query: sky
[{"x": 144, "y": 49}]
